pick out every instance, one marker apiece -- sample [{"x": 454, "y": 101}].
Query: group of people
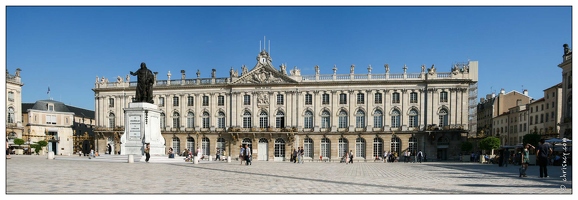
[
  {"x": 347, "y": 157},
  {"x": 297, "y": 155},
  {"x": 245, "y": 154},
  {"x": 389, "y": 156},
  {"x": 543, "y": 152},
  {"x": 189, "y": 155}
]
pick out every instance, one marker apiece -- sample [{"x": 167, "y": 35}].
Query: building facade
[
  {"x": 566, "y": 65},
  {"x": 274, "y": 111},
  {"x": 14, "y": 125},
  {"x": 496, "y": 105}
]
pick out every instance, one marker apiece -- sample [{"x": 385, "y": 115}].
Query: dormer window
[{"x": 50, "y": 107}]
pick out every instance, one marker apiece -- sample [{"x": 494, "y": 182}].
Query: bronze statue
[{"x": 144, "y": 86}]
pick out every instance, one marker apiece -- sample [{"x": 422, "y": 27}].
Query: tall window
[
  {"x": 163, "y": 121},
  {"x": 206, "y": 120},
  {"x": 378, "y": 119},
  {"x": 413, "y": 118},
  {"x": 190, "y": 144},
  {"x": 377, "y": 147},
  {"x": 325, "y": 148},
  {"x": 10, "y": 96},
  {"x": 110, "y": 102},
  {"x": 220, "y": 100},
  {"x": 343, "y": 119},
  {"x": 413, "y": 97},
  {"x": 190, "y": 101},
  {"x": 280, "y": 120},
  {"x": 308, "y": 120},
  {"x": 342, "y": 148},
  {"x": 190, "y": 120},
  {"x": 395, "y": 145},
  {"x": 205, "y": 100},
  {"x": 176, "y": 145},
  {"x": 325, "y": 99},
  {"x": 175, "y": 101},
  {"x": 360, "y": 147},
  {"x": 395, "y": 97},
  {"x": 413, "y": 145},
  {"x": 444, "y": 96},
  {"x": 308, "y": 147},
  {"x": 161, "y": 101},
  {"x": 360, "y": 119},
  {"x": 360, "y": 98},
  {"x": 206, "y": 146},
  {"x": 176, "y": 120},
  {"x": 443, "y": 118},
  {"x": 263, "y": 120},
  {"x": 342, "y": 98},
  {"x": 308, "y": 99},
  {"x": 246, "y": 100},
  {"x": 279, "y": 99},
  {"x": 378, "y": 98},
  {"x": 247, "y": 119},
  {"x": 279, "y": 147},
  {"x": 111, "y": 120},
  {"x": 325, "y": 119},
  {"x": 395, "y": 119},
  {"x": 221, "y": 120},
  {"x": 11, "y": 115}
]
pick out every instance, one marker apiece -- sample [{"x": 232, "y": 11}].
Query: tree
[
  {"x": 489, "y": 143},
  {"x": 467, "y": 146},
  {"x": 18, "y": 141},
  {"x": 38, "y": 146},
  {"x": 531, "y": 138}
]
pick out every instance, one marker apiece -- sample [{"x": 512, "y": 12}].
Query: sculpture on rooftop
[{"x": 144, "y": 86}]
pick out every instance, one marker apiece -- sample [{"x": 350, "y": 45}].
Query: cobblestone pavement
[{"x": 78, "y": 175}]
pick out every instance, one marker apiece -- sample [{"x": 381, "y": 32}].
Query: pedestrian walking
[
  {"x": 147, "y": 152},
  {"x": 218, "y": 155},
  {"x": 544, "y": 151},
  {"x": 7, "y": 149},
  {"x": 300, "y": 155},
  {"x": 241, "y": 153},
  {"x": 419, "y": 156},
  {"x": 525, "y": 160},
  {"x": 294, "y": 155},
  {"x": 345, "y": 157},
  {"x": 351, "y": 156},
  {"x": 247, "y": 155},
  {"x": 506, "y": 157}
]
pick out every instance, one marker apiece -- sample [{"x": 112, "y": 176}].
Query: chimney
[
  {"x": 493, "y": 95},
  {"x": 525, "y": 92},
  {"x": 502, "y": 91}
]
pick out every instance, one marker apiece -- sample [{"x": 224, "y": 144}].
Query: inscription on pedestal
[{"x": 134, "y": 128}]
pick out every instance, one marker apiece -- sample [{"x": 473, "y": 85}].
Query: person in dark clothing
[
  {"x": 147, "y": 152},
  {"x": 542, "y": 153}
]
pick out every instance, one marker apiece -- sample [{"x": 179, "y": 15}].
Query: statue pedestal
[{"x": 142, "y": 125}]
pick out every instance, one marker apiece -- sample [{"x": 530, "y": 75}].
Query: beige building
[
  {"x": 496, "y": 105},
  {"x": 274, "y": 110},
  {"x": 566, "y": 121},
  {"x": 14, "y": 127}
]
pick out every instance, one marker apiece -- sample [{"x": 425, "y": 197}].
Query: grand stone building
[
  {"x": 14, "y": 126},
  {"x": 566, "y": 65},
  {"x": 274, "y": 111}
]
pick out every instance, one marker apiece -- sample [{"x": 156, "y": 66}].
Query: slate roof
[{"x": 58, "y": 107}]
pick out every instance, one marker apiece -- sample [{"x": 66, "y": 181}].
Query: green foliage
[
  {"x": 18, "y": 141},
  {"x": 42, "y": 143},
  {"x": 38, "y": 146},
  {"x": 467, "y": 146},
  {"x": 489, "y": 143},
  {"x": 531, "y": 138}
]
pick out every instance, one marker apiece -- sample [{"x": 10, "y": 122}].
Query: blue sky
[{"x": 65, "y": 48}]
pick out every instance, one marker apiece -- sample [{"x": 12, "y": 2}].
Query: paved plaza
[{"x": 27, "y": 174}]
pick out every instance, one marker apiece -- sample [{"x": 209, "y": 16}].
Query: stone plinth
[{"x": 142, "y": 125}]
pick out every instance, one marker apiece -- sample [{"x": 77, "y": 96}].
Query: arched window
[
  {"x": 325, "y": 147},
  {"x": 413, "y": 118},
  {"x": 249, "y": 143},
  {"x": 280, "y": 120},
  {"x": 263, "y": 120},
  {"x": 377, "y": 147},
  {"x": 176, "y": 120},
  {"x": 190, "y": 120},
  {"x": 308, "y": 147},
  {"x": 279, "y": 147},
  {"x": 378, "y": 119},
  {"x": 360, "y": 119},
  {"x": 308, "y": 120},
  {"x": 343, "y": 119},
  {"x": 443, "y": 118},
  {"x": 190, "y": 144},
  {"x": 360, "y": 147},
  {"x": 176, "y": 145},
  {"x": 325, "y": 119},
  {"x": 395, "y": 145},
  {"x": 206, "y": 146},
  {"x": 247, "y": 119},
  {"x": 221, "y": 120},
  {"x": 11, "y": 116},
  {"x": 111, "y": 120},
  {"x": 395, "y": 119},
  {"x": 163, "y": 121},
  {"x": 206, "y": 120},
  {"x": 342, "y": 148},
  {"x": 413, "y": 145}
]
